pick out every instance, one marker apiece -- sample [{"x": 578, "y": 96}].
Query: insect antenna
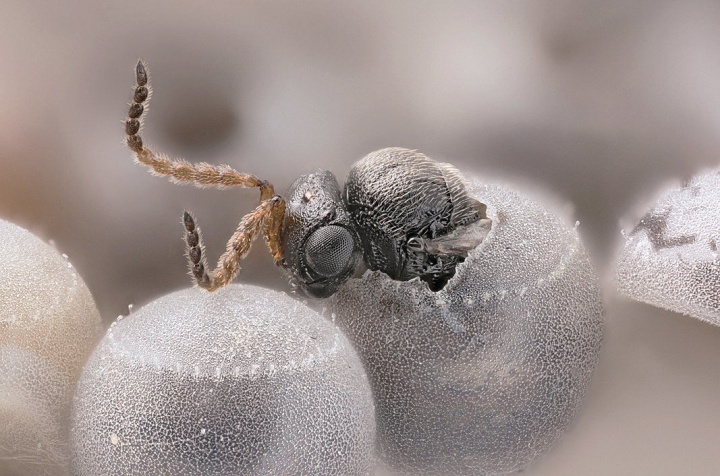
[
  {"x": 236, "y": 249},
  {"x": 267, "y": 217},
  {"x": 180, "y": 171}
]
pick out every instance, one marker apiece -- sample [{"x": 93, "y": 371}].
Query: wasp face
[{"x": 322, "y": 249}]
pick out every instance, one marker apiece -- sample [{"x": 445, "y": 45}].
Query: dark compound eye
[{"x": 328, "y": 250}]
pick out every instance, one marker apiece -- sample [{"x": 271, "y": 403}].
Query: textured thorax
[{"x": 394, "y": 195}]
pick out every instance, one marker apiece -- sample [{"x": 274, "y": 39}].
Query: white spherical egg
[
  {"x": 46, "y": 307},
  {"x": 48, "y": 326},
  {"x": 484, "y": 375},
  {"x": 34, "y": 402},
  {"x": 241, "y": 381}
]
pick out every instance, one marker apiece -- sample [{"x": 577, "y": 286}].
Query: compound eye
[{"x": 328, "y": 250}]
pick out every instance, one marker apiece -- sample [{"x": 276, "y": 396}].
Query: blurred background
[{"x": 601, "y": 105}]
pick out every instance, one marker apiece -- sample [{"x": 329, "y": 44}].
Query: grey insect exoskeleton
[{"x": 403, "y": 213}]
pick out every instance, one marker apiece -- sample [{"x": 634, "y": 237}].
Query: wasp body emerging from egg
[{"x": 399, "y": 211}]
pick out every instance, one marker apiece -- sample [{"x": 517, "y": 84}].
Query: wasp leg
[
  {"x": 180, "y": 171},
  {"x": 237, "y": 247}
]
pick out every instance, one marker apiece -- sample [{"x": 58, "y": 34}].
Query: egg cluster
[{"x": 478, "y": 378}]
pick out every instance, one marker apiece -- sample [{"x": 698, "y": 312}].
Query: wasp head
[{"x": 321, "y": 247}]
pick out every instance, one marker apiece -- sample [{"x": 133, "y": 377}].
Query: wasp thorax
[{"x": 413, "y": 215}]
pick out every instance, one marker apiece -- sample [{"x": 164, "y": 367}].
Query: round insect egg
[
  {"x": 48, "y": 326},
  {"x": 241, "y": 381},
  {"x": 47, "y": 309},
  {"x": 484, "y": 375},
  {"x": 34, "y": 402}
]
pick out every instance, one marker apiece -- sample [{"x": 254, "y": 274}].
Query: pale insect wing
[
  {"x": 460, "y": 241},
  {"x": 466, "y": 209}
]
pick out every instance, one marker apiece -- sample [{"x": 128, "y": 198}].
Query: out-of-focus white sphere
[
  {"x": 34, "y": 399},
  {"x": 485, "y": 375},
  {"x": 46, "y": 307},
  {"x": 241, "y": 381},
  {"x": 48, "y": 327},
  {"x": 671, "y": 259}
]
